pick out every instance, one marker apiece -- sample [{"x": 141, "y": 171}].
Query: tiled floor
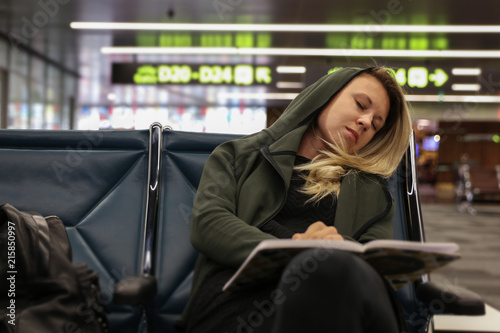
[
  {"x": 479, "y": 238},
  {"x": 479, "y": 268}
]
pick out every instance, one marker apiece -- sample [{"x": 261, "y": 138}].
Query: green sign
[
  {"x": 416, "y": 77},
  {"x": 243, "y": 75},
  {"x": 206, "y": 39},
  {"x": 439, "y": 77},
  {"x": 421, "y": 77}
]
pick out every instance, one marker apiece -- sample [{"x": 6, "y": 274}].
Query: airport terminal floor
[{"x": 479, "y": 268}]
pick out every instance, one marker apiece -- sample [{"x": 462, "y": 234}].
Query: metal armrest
[{"x": 143, "y": 288}]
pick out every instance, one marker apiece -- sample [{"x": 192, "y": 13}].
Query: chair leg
[
  {"x": 469, "y": 196},
  {"x": 459, "y": 193},
  {"x": 145, "y": 326}
]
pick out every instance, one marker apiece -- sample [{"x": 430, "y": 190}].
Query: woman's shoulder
[
  {"x": 245, "y": 144},
  {"x": 366, "y": 180}
]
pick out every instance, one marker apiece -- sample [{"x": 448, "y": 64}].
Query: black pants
[
  {"x": 319, "y": 291},
  {"x": 325, "y": 291}
]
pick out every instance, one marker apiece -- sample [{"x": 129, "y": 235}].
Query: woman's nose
[{"x": 364, "y": 121}]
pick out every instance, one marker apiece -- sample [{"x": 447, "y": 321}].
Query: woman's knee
[{"x": 324, "y": 266}]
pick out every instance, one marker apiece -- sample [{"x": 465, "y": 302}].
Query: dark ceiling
[{"x": 43, "y": 25}]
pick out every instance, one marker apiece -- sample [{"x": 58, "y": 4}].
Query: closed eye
[{"x": 360, "y": 105}]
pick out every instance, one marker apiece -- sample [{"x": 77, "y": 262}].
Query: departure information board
[
  {"x": 417, "y": 76},
  {"x": 437, "y": 78},
  {"x": 210, "y": 74}
]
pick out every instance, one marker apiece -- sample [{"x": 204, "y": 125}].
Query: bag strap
[{"x": 43, "y": 242}]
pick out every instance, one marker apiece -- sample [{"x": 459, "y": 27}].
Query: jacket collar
[{"x": 281, "y": 153}]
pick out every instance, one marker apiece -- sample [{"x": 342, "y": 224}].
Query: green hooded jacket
[{"x": 245, "y": 182}]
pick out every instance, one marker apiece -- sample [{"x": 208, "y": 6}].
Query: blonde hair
[{"x": 380, "y": 156}]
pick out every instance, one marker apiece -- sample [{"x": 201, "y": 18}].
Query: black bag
[{"x": 41, "y": 289}]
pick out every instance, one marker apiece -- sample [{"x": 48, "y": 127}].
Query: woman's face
[{"x": 355, "y": 114}]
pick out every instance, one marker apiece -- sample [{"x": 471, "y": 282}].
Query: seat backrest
[
  {"x": 408, "y": 225},
  {"x": 183, "y": 157},
  {"x": 482, "y": 180},
  {"x": 96, "y": 182},
  {"x": 407, "y": 221}
]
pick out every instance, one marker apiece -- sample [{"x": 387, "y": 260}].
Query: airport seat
[
  {"x": 474, "y": 182},
  {"x": 97, "y": 183},
  {"x": 126, "y": 197},
  {"x": 183, "y": 157},
  {"x": 422, "y": 299}
]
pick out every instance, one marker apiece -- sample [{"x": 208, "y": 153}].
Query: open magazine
[{"x": 398, "y": 261}]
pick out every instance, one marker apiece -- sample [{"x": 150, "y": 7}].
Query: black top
[{"x": 297, "y": 214}]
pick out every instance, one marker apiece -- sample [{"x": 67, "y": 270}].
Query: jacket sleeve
[{"x": 216, "y": 231}]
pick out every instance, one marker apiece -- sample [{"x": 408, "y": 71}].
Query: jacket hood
[{"x": 311, "y": 100}]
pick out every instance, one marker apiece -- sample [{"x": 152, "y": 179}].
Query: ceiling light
[
  {"x": 466, "y": 71},
  {"x": 306, "y": 52},
  {"x": 375, "y": 27},
  {"x": 454, "y": 98},
  {"x": 169, "y": 50},
  {"x": 291, "y": 69},
  {"x": 247, "y": 95},
  {"x": 409, "y": 98},
  {"x": 289, "y": 85},
  {"x": 423, "y": 123},
  {"x": 465, "y": 87}
]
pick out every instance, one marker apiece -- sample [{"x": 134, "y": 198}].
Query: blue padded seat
[
  {"x": 407, "y": 225},
  {"x": 96, "y": 182},
  {"x": 183, "y": 157}
]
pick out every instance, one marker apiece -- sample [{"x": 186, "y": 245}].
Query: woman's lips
[{"x": 353, "y": 134}]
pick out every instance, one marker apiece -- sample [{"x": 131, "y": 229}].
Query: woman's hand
[{"x": 319, "y": 230}]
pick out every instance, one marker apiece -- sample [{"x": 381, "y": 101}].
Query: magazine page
[
  {"x": 444, "y": 247},
  {"x": 400, "y": 262}
]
